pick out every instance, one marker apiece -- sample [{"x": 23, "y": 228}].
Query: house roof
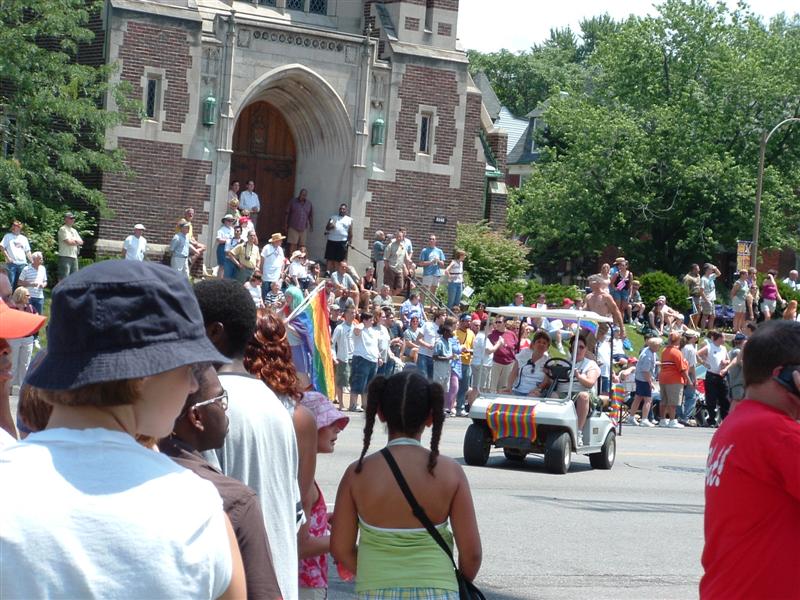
[
  {"x": 490, "y": 100},
  {"x": 513, "y": 126},
  {"x": 523, "y": 152}
]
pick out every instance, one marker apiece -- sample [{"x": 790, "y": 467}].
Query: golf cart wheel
[
  {"x": 558, "y": 453},
  {"x": 514, "y": 455},
  {"x": 605, "y": 458},
  {"x": 477, "y": 445}
]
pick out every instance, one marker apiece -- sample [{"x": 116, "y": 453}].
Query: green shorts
[{"x": 341, "y": 374}]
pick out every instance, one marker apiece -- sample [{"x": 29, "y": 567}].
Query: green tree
[
  {"x": 658, "y": 156},
  {"x": 52, "y": 118},
  {"x": 492, "y": 256}
]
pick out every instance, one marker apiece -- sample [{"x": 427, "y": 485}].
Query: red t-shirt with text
[{"x": 752, "y": 516}]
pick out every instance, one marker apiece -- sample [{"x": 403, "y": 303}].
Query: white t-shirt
[
  {"x": 581, "y": 368},
  {"x": 342, "y": 342},
  {"x": 341, "y": 228},
  {"x": 134, "y": 247},
  {"x": 715, "y": 356},
  {"x": 529, "y": 376},
  {"x": 479, "y": 354},
  {"x": 225, "y": 233},
  {"x": 297, "y": 269},
  {"x": 260, "y": 450},
  {"x": 430, "y": 332},
  {"x": 689, "y": 352},
  {"x": 31, "y": 274},
  {"x": 89, "y": 513},
  {"x": 273, "y": 262},
  {"x": 17, "y": 246},
  {"x": 365, "y": 344},
  {"x": 709, "y": 287}
]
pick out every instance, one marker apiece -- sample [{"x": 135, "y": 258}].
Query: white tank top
[{"x": 716, "y": 354}]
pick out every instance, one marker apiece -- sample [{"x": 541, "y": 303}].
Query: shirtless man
[{"x": 603, "y": 304}]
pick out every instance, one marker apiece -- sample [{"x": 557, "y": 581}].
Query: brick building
[{"x": 366, "y": 102}]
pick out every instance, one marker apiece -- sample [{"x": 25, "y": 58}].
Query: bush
[
  {"x": 502, "y": 294},
  {"x": 657, "y": 284},
  {"x": 492, "y": 257}
]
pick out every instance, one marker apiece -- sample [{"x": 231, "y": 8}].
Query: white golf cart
[{"x": 522, "y": 425}]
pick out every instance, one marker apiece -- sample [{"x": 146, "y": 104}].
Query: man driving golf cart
[{"x": 586, "y": 373}]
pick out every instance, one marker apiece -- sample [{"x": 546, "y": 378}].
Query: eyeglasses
[{"x": 222, "y": 400}]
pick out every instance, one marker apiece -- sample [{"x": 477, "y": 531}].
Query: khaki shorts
[
  {"x": 394, "y": 280},
  {"x": 296, "y": 238},
  {"x": 671, "y": 394},
  {"x": 706, "y": 307},
  {"x": 429, "y": 280}
]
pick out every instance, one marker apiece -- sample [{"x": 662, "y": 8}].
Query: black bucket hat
[{"x": 121, "y": 319}]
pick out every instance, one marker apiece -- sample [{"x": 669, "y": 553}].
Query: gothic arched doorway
[{"x": 264, "y": 151}]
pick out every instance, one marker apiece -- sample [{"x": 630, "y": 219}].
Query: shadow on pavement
[
  {"x": 616, "y": 505},
  {"x": 533, "y": 463}
]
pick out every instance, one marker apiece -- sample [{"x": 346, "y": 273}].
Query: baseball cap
[
  {"x": 69, "y": 215},
  {"x": 140, "y": 226},
  {"x": 568, "y": 302},
  {"x": 18, "y": 324},
  {"x": 121, "y": 319},
  {"x": 325, "y": 413},
  {"x": 466, "y": 318},
  {"x": 739, "y": 337}
]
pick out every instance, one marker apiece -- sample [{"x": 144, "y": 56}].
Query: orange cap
[{"x": 18, "y": 324}]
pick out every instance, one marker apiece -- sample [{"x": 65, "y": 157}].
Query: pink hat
[{"x": 324, "y": 411}]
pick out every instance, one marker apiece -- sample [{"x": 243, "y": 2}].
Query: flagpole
[{"x": 305, "y": 302}]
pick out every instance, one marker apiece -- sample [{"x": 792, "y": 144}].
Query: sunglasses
[{"x": 222, "y": 400}]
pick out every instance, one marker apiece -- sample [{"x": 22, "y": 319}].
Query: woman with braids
[
  {"x": 268, "y": 357},
  {"x": 396, "y": 557}
]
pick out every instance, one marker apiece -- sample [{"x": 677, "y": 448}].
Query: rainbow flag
[
  {"x": 511, "y": 420},
  {"x": 311, "y": 322},
  {"x": 589, "y": 326},
  {"x": 618, "y": 396}
]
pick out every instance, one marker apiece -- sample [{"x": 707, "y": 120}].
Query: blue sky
[{"x": 489, "y": 25}]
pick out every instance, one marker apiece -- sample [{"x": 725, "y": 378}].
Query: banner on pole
[{"x": 743, "y": 251}]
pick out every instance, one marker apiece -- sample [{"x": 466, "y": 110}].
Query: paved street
[{"x": 633, "y": 532}]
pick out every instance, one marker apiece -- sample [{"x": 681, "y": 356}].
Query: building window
[
  {"x": 294, "y": 4},
  {"x": 429, "y": 15},
  {"x": 267, "y": 2},
  {"x": 319, "y": 7},
  {"x": 425, "y": 133},
  {"x": 152, "y": 98}
]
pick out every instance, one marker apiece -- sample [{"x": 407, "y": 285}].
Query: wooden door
[{"x": 264, "y": 151}]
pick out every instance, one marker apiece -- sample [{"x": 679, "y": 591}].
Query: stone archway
[{"x": 322, "y": 134}]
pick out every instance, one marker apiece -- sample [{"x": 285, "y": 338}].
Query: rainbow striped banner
[
  {"x": 589, "y": 326},
  {"x": 618, "y": 395},
  {"x": 512, "y": 420},
  {"x": 312, "y": 323}
]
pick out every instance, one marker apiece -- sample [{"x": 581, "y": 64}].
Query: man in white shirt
[
  {"x": 365, "y": 360},
  {"x": 426, "y": 340},
  {"x": 135, "y": 246},
  {"x": 17, "y": 251},
  {"x": 248, "y": 200},
  {"x": 342, "y": 344},
  {"x": 708, "y": 301},
  {"x": 792, "y": 281},
  {"x": 340, "y": 233},
  {"x": 272, "y": 262},
  {"x": 260, "y": 449}
]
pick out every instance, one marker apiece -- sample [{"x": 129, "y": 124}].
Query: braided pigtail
[
  {"x": 436, "y": 402},
  {"x": 374, "y": 395}
]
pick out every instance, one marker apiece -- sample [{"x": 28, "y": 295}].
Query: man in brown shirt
[{"x": 202, "y": 425}]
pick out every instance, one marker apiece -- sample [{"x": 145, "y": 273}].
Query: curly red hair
[{"x": 268, "y": 356}]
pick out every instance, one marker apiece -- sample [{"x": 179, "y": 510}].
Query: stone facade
[{"x": 388, "y": 123}]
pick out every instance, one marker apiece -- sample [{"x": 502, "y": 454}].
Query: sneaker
[
  {"x": 645, "y": 423},
  {"x": 462, "y": 413},
  {"x": 663, "y": 423},
  {"x": 631, "y": 420},
  {"x": 691, "y": 423},
  {"x": 37, "y": 344},
  {"x": 580, "y": 438},
  {"x": 673, "y": 424}
]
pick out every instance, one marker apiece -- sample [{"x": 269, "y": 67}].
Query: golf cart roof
[{"x": 548, "y": 313}]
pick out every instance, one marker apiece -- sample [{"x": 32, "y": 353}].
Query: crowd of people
[{"x": 177, "y": 434}]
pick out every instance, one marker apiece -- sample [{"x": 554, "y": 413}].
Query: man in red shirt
[
  {"x": 504, "y": 356},
  {"x": 752, "y": 516}
]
